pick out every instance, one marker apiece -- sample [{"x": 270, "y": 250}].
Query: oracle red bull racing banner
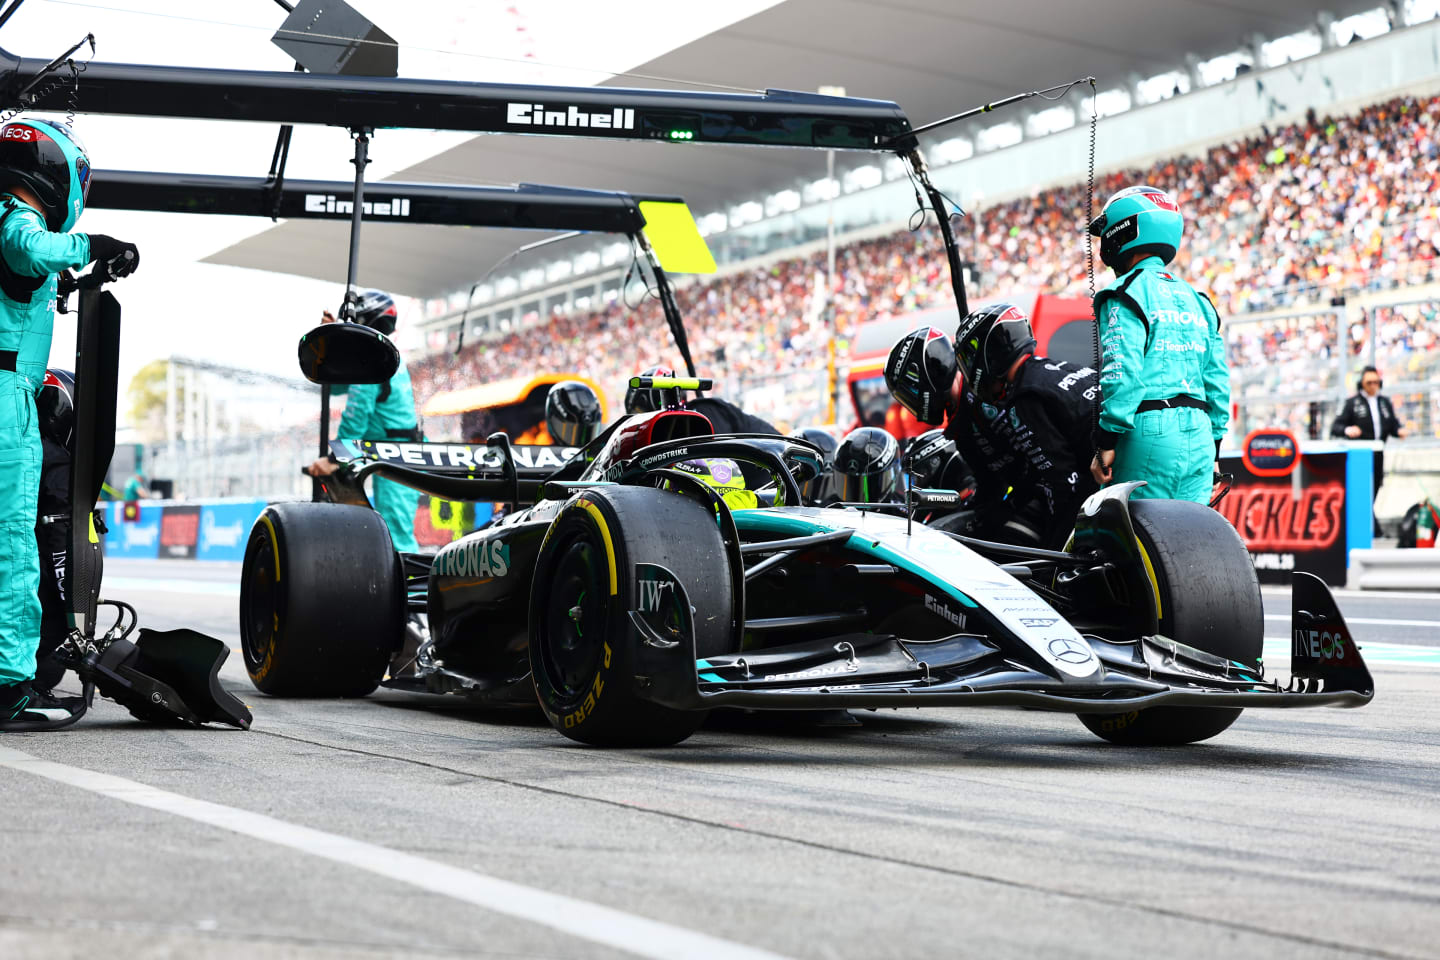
[{"x": 1299, "y": 511}]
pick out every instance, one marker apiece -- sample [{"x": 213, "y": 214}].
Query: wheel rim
[
  {"x": 260, "y": 603},
  {"x": 575, "y": 617}
]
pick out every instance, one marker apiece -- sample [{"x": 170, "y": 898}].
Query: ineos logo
[{"x": 1070, "y": 651}]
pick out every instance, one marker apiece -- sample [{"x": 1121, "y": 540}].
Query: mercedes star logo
[{"x": 1070, "y": 651}]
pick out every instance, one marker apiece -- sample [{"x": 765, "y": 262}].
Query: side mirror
[{"x": 347, "y": 353}]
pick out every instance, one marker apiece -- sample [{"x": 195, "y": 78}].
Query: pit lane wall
[{"x": 218, "y": 529}]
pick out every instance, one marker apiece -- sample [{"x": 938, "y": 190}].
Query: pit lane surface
[{"x": 1305, "y": 833}]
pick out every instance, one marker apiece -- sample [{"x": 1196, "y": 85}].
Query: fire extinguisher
[{"x": 1425, "y": 525}]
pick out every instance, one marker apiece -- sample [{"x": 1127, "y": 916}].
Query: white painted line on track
[
  {"x": 1278, "y": 591},
  {"x": 578, "y": 918},
  {"x": 214, "y": 588},
  {"x": 1370, "y": 621}
]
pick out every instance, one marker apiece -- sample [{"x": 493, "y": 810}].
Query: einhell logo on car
[
  {"x": 941, "y": 610},
  {"x": 536, "y": 115},
  {"x": 328, "y": 203}
]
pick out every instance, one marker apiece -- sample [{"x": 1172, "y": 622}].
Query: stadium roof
[{"x": 933, "y": 57}]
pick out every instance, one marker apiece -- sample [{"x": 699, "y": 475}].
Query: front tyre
[
  {"x": 582, "y": 643},
  {"x": 322, "y": 600},
  {"x": 1209, "y": 599}
]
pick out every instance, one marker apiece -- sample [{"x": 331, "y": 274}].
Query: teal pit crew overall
[
  {"x": 385, "y": 411},
  {"x": 1165, "y": 387},
  {"x": 32, "y": 253}
]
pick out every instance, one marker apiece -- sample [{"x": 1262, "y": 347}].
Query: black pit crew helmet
[
  {"x": 376, "y": 309},
  {"x": 48, "y": 159},
  {"x": 929, "y": 455},
  {"x": 572, "y": 413},
  {"x": 55, "y": 404},
  {"x": 991, "y": 339},
  {"x": 648, "y": 400},
  {"x": 818, "y": 488},
  {"x": 920, "y": 373},
  {"x": 868, "y": 468}
]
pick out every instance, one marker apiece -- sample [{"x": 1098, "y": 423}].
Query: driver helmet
[
  {"x": 55, "y": 405},
  {"x": 868, "y": 468},
  {"x": 1139, "y": 219},
  {"x": 990, "y": 339},
  {"x": 650, "y": 399},
  {"x": 725, "y": 477},
  {"x": 920, "y": 373},
  {"x": 376, "y": 309},
  {"x": 817, "y": 488},
  {"x": 572, "y": 413},
  {"x": 48, "y": 159}
]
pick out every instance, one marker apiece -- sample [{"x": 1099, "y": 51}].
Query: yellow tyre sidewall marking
[
  {"x": 1150, "y": 572},
  {"x": 594, "y": 511}
]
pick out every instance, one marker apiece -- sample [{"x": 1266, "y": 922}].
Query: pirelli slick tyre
[
  {"x": 322, "y": 600},
  {"x": 582, "y": 642},
  {"x": 1209, "y": 599}
]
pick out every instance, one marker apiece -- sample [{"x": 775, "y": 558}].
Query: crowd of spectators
[{"x": 1297, "y": 215}]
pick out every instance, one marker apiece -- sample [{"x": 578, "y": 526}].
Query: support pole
[{"x": 347, "y": 308}]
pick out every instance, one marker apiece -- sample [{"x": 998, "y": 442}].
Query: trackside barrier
[
  {"x": 1310, "y": 520},
  {"x": 218, "y": 529},
  {"x": 1394, "y": 570}
]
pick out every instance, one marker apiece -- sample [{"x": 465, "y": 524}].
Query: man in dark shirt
[{"x": 1369, "y": 416}]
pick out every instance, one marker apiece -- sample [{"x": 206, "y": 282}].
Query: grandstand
[{"x": 1289, "y": 209}]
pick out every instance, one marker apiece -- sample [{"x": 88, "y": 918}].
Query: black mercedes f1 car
[{"x": 629, "y": 593}]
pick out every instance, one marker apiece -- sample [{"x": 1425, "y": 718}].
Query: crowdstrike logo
[
  {"x": 536, "y": 115},
  {"x": 328, "y": 203}
]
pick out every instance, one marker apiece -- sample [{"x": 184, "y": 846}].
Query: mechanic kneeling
[{"x": 1021, "y": 422}]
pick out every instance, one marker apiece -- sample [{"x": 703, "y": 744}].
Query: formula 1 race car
[{"x": 635, "y": 592}]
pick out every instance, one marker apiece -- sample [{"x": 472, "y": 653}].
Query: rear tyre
[
  {"x": 1209, "y": 599},
  {"x": 322, "y": 600},
  {"x": 582, "y": 643}
]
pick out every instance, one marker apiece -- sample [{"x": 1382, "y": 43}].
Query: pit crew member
[
  {"x": 1166, "y": 389},
  {"x": 45, "y": 174},
  {"x": 1024, "y": 428},
  {"x": 572, "y": 413},
  {"x": 381, "y": 411}
]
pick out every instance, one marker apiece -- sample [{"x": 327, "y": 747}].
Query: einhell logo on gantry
[
  {"x": 329, "y": 203},
  {"x": 537, "y": 115}
]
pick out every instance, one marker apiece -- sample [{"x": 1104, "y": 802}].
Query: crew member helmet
[
  {"x": 920, "y": 373},
  {"x": 867, "y": 467},
  {"x": 817, "y": 488},
  {"x": 648, "y": 400},
  {"x": 572, "y": 413},
  {"x": 55, "y": 405},
  {"x": 1140, "y": 219},
  {"x": 376, "y": 309},
  {"x": 990, "y": 339},
  {"x": 47, "y": 158},
  {"x": 929, "y": 454}
]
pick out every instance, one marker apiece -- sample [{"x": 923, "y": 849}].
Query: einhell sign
[{"x": 1296, "y": 517}]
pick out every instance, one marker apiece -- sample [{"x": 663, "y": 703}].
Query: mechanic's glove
[{"x": 120, "y": 258}]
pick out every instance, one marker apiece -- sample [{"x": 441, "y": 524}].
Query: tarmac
[{"x": 410, "y": 826}]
